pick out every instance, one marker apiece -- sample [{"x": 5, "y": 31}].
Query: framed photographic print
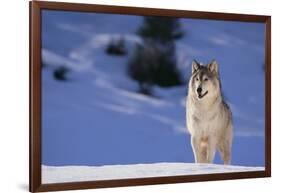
[{"x": 123, "y": 96}]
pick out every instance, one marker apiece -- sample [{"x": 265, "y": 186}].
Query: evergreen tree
[
  {"x": 154, "y": 62},
  {"x": 161, "y": 29},
  {"x": 116, "y": 47},
  {"x": 60, "y": 73}
]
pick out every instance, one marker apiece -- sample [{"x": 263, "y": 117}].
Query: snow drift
[{"x": 60, "y": 174}]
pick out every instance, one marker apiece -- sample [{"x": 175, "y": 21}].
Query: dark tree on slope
[
  {"x": 60, "y": 73},
  {"x": 161, "y": 29},
  {"x": 116, "y": 47},
  {"x": 154, "y": 61}
]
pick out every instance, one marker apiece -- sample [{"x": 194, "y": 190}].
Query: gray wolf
[{"x": 208, "y": 117}]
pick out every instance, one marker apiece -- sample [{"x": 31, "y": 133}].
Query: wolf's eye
[
  {"x": 197, "y": 79},
  {"x": 206, "y": 79}
]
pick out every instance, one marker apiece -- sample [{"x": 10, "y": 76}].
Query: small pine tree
[
  {"x": 60, "y": 73},
  {"x": 116, "y": 47}
]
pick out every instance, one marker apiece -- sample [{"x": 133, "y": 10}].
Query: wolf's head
[{"x": 204, "y": 82}]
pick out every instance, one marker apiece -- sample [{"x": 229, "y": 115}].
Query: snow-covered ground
[
  {"x": 51, "y": 174},
  {"x": 98, "y": 118}
]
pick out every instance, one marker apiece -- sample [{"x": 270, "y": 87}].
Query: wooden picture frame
[{"x": 36, "y": 93}]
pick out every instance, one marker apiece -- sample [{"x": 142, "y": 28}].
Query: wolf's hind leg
[{"x": 225, "y": 151}]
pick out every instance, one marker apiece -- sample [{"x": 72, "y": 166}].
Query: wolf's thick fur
[{"x": 208, "y": 117}]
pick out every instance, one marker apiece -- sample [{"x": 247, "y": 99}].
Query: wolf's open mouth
[{"x": 200, "y": 96}]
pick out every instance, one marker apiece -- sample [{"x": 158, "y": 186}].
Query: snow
[
  {"x": 51, "y": 174},
  {"x": 98, "y": 119}
]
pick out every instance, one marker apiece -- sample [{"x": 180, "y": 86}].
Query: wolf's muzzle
[
  {"x": 199, "y": 90},
  {"x": 200, "y": 96}
]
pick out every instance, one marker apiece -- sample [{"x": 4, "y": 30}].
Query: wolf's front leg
[
  {"x": 200, "y": 149},
  {"x": 196, "y": 149},
  {"x": 211, "y": 151}
]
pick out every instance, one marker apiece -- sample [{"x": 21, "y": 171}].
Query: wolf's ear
[
  {"x": 213, "y": 67},
  {"x": 195, "y": 66}
]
